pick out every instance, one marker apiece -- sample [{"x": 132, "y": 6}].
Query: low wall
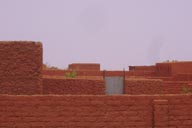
[
  {"x": 99, "y": 73},
  {"x": 143, "y": 86},
  {"x": 142, "y": 68},
  {"x": 155, "y": 86},
  {"x": 141, "y": 73},
  {"x": 182, "y": 77},
  {"x": 176, "y": 87},
  {"x": 96, "y": 111},
  {"x": 84, "y": 67},
  {"x": 73, "y": 86},
  {"x": 79, "y": 73}
]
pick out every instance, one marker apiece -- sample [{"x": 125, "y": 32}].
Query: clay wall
[
  {"x": 142, "y": 68},
  {"x": 20, "y": 67},
  {"x": 156, "y": 86},
  {"x": 73, "y": 86},
  {"x": 84, "y": 67},
  {"x": 159, "y": 111},
  {"x": 143, "y": 86},
  {"x": 163, "y": 69},
  {"x": 182, "y": 77},
  {"x": 181, "y": 68}
]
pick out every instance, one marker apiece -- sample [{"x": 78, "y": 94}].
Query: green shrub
[{"x": 72, "y": 74}]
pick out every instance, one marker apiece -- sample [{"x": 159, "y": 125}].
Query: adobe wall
[
  {"x": 181, "y": 68},
  {"x": 20, "y": 67},
  {"x": 182, "y": 77},
  {"x": 163, "y": 69},
  {"x": 142, "y": 68},
  {"x": 155, "y": 86},
  {"x": 143, "y": 86},
  {"x": 158, "y": 111},
  {"x": 99, "y": 73},
  {"x": 73, "y": 86},
  {"x": 84, "y": 66},
  {"x": 176, "y": 87},
  {"x": 141, "y": 73},
  {"x": 79, "y": 73}
]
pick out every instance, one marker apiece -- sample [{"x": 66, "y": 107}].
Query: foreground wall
[
  {"x": 168, "y": 111},
  {"x": 20, "y": 67},
  {"x": 73, "y": 86}
]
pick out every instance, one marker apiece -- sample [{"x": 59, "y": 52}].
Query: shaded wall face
[
  {"x": 96, "y": 111},
  {"x": 20, "y": 67}
]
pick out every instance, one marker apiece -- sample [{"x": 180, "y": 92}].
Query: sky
[{"x": 114, "y": 33}]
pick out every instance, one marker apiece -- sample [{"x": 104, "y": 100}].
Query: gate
[{"x": 114, "y": 85}]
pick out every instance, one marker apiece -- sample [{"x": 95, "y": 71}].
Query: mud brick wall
[
  {"x": 176, "y": 87},
  {"x": 75, "y": 112},
  {"x": 160, "y": 111},
  {"x": 155, "y": 86},
  {"x": 84, "y": 66},
  {"x": 142, "y": 68},
  {"x": 79, "y": 73},
  {"x": 182, "y": 77},
  {"x": 73, "y": 86},
  {"x": 163, "y": 69},
  {"x": 181, "y": 67},
  {"x": 143, "y": 86},
  {"x": 141, "y": 73},
  {"x": 20, "y": 67}
]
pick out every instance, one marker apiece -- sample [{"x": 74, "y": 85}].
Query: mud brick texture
[
  {"x": 20, "y": 66},
  {"x": 73, "y": 86},
  {"x": 143, "y": 86},
  {"x": 59, "y": 111},
  {"x": 84, "y": 66}
]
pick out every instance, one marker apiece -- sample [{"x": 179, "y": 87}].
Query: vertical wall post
[{"x": 160, "y": 114}]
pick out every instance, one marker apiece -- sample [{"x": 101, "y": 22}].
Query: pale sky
[{"x": 114, "y": 33}]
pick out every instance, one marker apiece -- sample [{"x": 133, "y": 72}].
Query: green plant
[
  {"x": 186, "y": 89},
  {"x": 72, "y": 74}
]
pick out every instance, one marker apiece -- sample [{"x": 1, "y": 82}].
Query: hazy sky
[{"x": 114, "y": 33}]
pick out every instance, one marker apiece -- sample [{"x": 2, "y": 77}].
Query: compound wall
[
  {"x": 73, "y": 86},
  {"x": 143, "y": 86},
  {"x": 182, "y": 68},
  {"x": 96, "y": 111},
  {"x": 142, "y": 68},
  {"x": 152, "y": 86},
  {"x": 20, "y": 67}
]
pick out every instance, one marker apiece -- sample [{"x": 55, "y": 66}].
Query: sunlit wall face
[{"x": 115, "y": 33}]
